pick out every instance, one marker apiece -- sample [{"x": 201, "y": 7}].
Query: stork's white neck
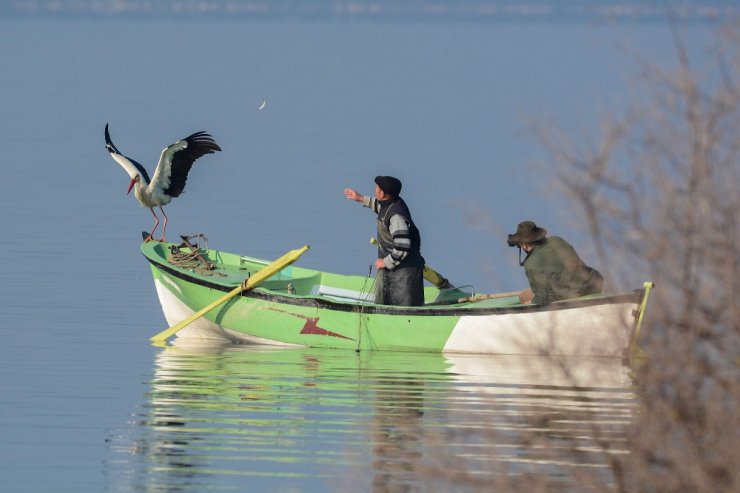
[{"x": 141, "y": 190}]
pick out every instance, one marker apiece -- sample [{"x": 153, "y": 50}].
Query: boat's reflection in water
[{"x": 276, "y": 419}]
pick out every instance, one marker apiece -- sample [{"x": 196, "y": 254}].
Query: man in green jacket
[{"x": 553, "y": 268}]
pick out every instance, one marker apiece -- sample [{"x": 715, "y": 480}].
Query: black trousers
[{"x": 402, "y": 286}]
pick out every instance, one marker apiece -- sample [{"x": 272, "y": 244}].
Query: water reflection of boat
[
  {"x": 543, "y": 371},
  {"x": 310, "y": 308},
  {"x": 562, "y": 414},
  {"x": 321, "y": 420}
]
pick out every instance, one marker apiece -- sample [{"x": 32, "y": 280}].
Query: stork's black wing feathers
[
  {"x": 121, "y": 159},
  {"x": 198, "y": 144},
  {"x": 109, "y": 143}
]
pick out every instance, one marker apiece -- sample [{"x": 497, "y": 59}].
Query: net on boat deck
[{"x": 189, "y": 256}]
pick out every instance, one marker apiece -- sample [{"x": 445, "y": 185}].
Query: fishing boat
[{"x": 211, "y": 295}]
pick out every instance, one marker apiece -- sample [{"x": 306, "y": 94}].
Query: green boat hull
[{"x": 305, "y": 307}]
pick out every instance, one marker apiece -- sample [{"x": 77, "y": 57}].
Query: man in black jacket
[
  {"x": 400, "y": 279},
  {"x": 553, "y": 268}
]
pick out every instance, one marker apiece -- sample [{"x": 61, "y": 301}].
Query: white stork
[{"x": 169, "y": 176}]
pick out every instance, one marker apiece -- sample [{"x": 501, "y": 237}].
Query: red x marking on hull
[{"x": 312, "y": 326}]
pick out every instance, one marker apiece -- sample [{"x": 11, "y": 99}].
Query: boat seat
[{"x": 342, "y": 294}]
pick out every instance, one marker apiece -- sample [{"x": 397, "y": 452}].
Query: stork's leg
[
  {"x": 156, "y": 223},
  {"x": 164, "y": 226}
]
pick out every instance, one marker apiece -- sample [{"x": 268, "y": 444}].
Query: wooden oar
[
  {"x": 266, "y": 272},
  {"x": 430, "y": 274}
]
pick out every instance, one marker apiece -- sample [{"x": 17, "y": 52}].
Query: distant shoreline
[{"x": 605, "y": 11}]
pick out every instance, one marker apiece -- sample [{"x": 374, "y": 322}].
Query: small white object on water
[{"x": 264, "y": 103}]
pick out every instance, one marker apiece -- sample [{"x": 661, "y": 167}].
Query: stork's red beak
[{"x": 131, "y": 185}]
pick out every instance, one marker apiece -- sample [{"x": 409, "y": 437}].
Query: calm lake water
[
  {"x": 308, "y": 420},
  {"x": 88, "y": 405}
]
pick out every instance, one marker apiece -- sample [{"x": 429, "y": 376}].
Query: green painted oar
[
  {"x": 430, "y": 274},
  {"x": 264, "y": 273},
  {"x": 635, "y": 335}
]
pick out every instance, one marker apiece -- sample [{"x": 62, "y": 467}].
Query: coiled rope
[{"x": 193, "y": 258}]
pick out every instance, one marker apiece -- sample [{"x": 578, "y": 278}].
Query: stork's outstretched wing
[
  {"x": 177, "y": 159},
  {"x": 129, "y": 165}
]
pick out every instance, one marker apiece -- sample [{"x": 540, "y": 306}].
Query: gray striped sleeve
[
  {"x": 371, "y": 202},
  {"x": 401, "y": 241}
]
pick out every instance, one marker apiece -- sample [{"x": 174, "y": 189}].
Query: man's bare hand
[{"x": 353, "y": 195}]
